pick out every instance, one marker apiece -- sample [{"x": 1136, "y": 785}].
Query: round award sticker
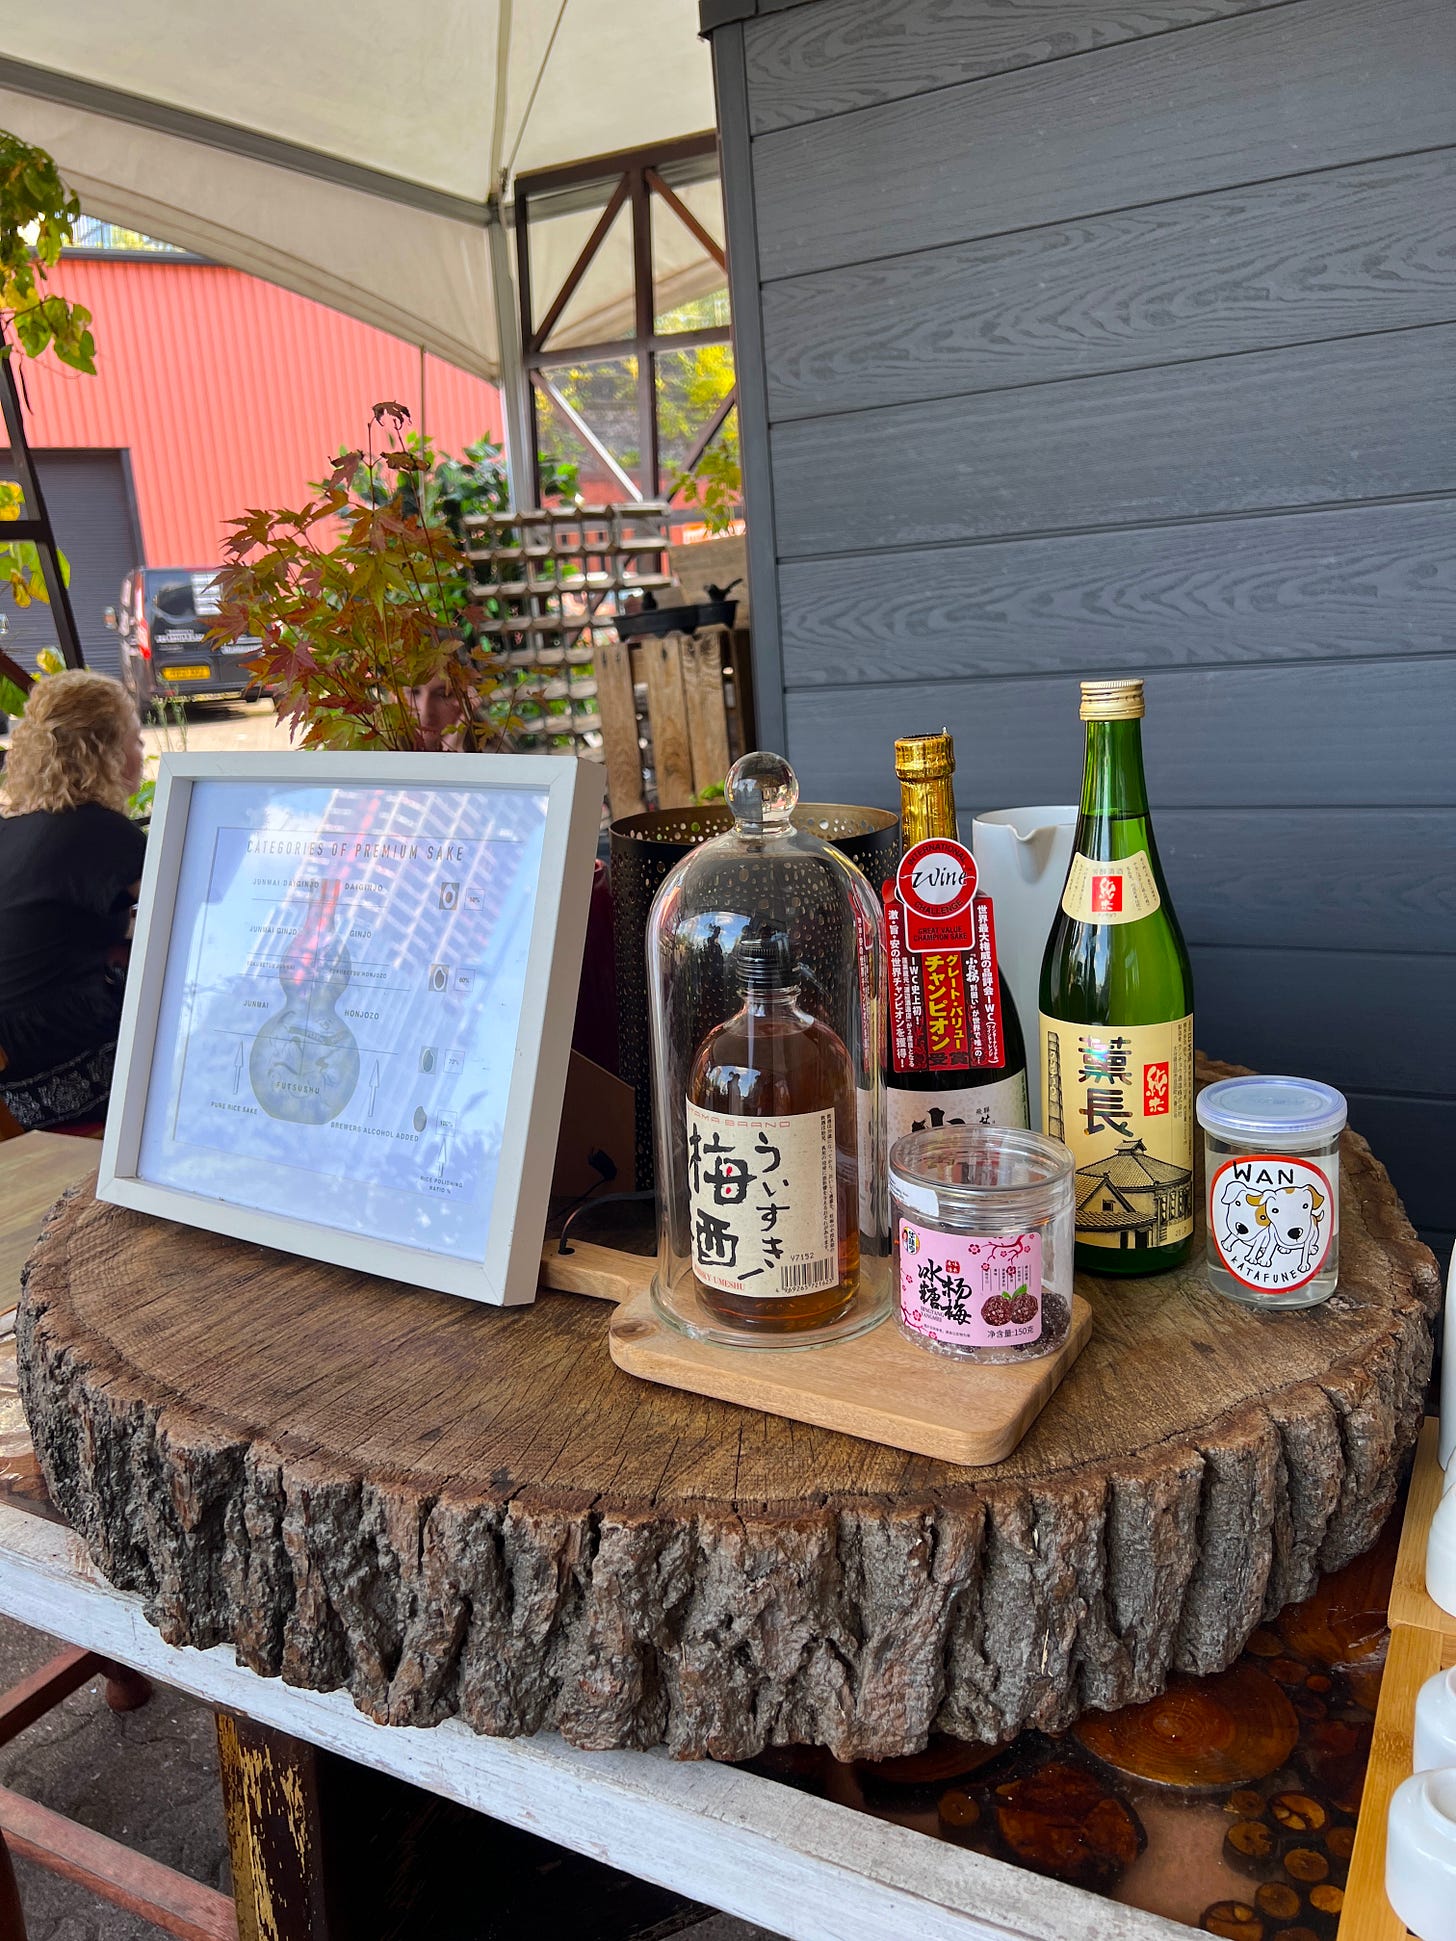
[
  {"x": 1272, "y": 1217},
  {"x": 936, "y": 878}
]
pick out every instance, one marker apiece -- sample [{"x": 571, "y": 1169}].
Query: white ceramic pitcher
[{"x": 1021, "y": 863}]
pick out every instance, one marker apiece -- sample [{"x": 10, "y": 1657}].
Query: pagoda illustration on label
[
  {"x": 1130, "y": 1193},
  {"x": 305, "y": 1060}
]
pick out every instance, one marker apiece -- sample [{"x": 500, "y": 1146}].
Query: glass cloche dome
[{"x": 763, "y": 972}]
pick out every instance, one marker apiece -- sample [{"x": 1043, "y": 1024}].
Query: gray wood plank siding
[
  {"x": 1185, "y": 441},
  {"x": 1374, "y": 733},
  {"x": 1303, "y": 259},
  {"x": 833, "y": 58},
  {"x": 1312, "y": 84},
  {"x": 1098, "y": 336},
  {"x": 1347, "y": 584}
]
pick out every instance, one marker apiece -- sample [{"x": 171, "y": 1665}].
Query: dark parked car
[{"x": 163, "y": 618}]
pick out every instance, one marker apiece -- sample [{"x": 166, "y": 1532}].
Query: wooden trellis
[{"x": 554, "y": 581}]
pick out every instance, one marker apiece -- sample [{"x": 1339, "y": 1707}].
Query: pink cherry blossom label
[{"x": 964, "y": 1291}]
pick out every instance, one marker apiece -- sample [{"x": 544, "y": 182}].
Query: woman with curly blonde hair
[{"x": 70, "y": 868}]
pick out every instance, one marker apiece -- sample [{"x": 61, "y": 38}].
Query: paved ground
[
  {"x": 218, "y": 727},
  {"x": 149, "y": 1778}
]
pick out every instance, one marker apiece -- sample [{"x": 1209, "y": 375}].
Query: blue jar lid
[{"x": 1271, "y": 1108}]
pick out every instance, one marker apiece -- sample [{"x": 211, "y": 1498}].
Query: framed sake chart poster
[{"x": 349, "y": 1008}]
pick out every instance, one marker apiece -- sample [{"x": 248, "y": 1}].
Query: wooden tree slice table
[{"x": 456, "y": 1510}]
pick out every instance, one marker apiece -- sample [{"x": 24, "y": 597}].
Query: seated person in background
[{"x": 70, "y": 868}]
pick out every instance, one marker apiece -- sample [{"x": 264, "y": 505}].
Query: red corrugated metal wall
[{"x": 230, "y": 393}]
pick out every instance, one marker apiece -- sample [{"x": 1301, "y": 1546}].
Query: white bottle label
[
  {"x": 762, "y": 1195},
  {"x": 1271, "y": 1217},
  {"x": 1003, "y": 1103},
  {"x": 1119, "y": 892}
]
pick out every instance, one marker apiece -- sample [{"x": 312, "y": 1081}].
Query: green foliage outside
[
  {"x": 691, "y": 384},
  {"x": 19, "y": 560},
  {"x": 715, "y": 484},
  {"x": 451, "y": 490},
  {"x": 12, "y": 700},
  {"x": 38, "y": 216}
]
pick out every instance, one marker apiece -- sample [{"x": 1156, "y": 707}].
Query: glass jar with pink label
[
  {"x": 983, "y": 1230},
  {"x": 1271, "y": 1170}
]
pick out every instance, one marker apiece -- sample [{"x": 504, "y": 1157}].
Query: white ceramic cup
[
  {"x": 1441, "y": 1552},
  {"x": 1434, "y": 1740},
  {"x": 1021, "y": 864},
  {"x": 1448, "y": 1370},
  {"x": 1420, "y": 1854}
]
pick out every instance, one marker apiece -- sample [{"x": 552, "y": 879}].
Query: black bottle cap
[{"x": 761, "y": 960}]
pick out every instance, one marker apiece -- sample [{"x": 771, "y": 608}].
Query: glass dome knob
[{"x": 762, "y": 792}]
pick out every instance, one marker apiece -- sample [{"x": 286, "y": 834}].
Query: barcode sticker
[{"x": 807, "y": 1276}]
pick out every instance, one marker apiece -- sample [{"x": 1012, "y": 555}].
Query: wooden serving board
[
  {"x": 879, "y": 1385},
  {"x": 1413, "y": 1657},
  {"x": 1422, "y": 1642},
  {"x": 1410, "y": 1602}
]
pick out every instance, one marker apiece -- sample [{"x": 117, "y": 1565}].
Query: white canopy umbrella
[{"x": 358, "y": 152}]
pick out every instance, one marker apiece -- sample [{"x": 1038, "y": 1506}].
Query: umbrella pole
[{"x": 515, "y": 386}]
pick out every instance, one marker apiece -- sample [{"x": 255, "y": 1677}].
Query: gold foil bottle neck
[
  {"x": 924, "y": 758},
  {"x": 1112, "y": 701}
]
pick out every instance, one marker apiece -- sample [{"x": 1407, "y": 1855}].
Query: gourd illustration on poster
[
  {"x": 391, "y": 926},
  {"x": 304, "y": 1063}
]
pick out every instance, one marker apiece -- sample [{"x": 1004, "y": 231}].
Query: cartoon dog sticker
[
  {"x": 1293, "y": 1227},
  {"x": 1239, "y": 1221},
  {"x": 1271, "y": 1236}
]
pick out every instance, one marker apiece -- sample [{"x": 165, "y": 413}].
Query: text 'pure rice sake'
[{"x": 1117, "y": 1013}]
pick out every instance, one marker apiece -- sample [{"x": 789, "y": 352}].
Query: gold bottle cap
[
  {"x": 1112, "y": 701},
  {"x": 924, "y": 758}
]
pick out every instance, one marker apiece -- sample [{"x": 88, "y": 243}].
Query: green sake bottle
[{"x": 1116, "y": 1007}]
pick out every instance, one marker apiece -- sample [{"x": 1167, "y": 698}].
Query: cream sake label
[
  {"x": 1001, "y": 1103},
  {"x": 1272, "y": 1218},
  {"x": 1121, "y": 1097},
  {"x": 1113, "y": 892},
  {"x": 763, "y": 1203}
]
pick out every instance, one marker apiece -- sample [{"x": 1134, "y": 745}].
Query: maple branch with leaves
[{"x": 362, "y": 606}]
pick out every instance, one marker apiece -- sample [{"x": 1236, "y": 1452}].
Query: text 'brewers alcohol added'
[{"x": 1117, "y": 1013}]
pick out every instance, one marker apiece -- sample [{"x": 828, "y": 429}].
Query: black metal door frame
[
  {"x": 632, "y": 178},
  {"x": 36, "y": 524}
]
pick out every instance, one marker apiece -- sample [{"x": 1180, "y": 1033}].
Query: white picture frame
[{"x": 148, "y": 1161}]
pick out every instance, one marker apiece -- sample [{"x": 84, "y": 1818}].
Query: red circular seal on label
[{"x": 937, "y": 878}]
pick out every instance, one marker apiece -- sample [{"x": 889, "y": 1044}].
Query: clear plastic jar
[
  {"x": 983, "y": 1226},
  {"x": 1272, "y": 1177}
]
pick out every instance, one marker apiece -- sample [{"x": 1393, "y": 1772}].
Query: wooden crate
[{"x": 665, "y": 717}]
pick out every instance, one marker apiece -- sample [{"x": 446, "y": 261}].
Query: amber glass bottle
[
  {"x": 986, "y": 1095},
  {"x": 772, "y": 1156}
]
